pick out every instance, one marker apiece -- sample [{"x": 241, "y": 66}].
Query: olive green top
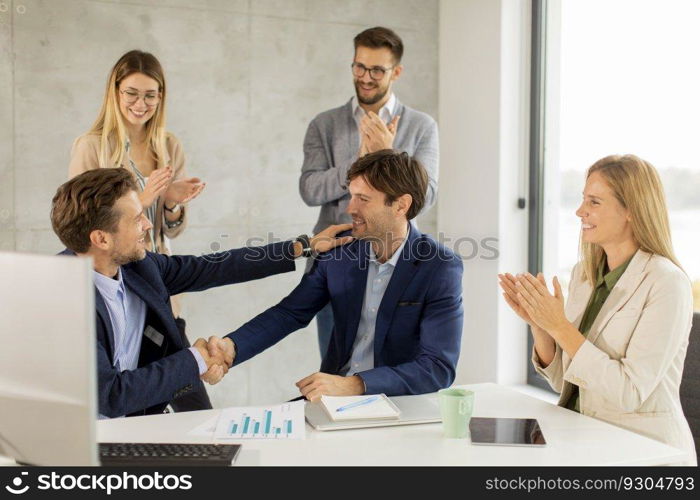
[{"x": 603, "y": 286}]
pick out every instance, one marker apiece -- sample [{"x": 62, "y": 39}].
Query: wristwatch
[
  {"x": 306, "y": 250},
  {"x": 175, "y": 223}
]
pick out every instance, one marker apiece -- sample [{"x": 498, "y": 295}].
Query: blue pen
[{"x": 358, "y": 403}]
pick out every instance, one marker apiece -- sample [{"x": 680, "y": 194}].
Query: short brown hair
[
  {"x": 86, "y": 203},
  {"x": 380, "y": 37},
  {"x": 394, "y": 174}
]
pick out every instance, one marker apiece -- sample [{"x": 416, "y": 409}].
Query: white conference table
[{"x": 572, "y": 439}]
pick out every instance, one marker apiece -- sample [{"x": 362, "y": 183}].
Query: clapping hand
[
  {"x": 515, "y": 291},
  {"x": 157, "y": 184},
  {"x": 183, "y": 190},
  {"x": 375, "y": 134},
  {"x": 393, "y": 124},
  {"x": 544, "y": 309},
  {"x": 363, "y": 146},
  {"x": 508, "y": 284}
]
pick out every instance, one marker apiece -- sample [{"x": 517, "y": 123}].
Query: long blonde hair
[
  {"x": 110, "y": 124},
  {"x": 637, "y": 186}
]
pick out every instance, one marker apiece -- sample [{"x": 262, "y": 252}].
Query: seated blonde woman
[{"x": 616, "y": 351}]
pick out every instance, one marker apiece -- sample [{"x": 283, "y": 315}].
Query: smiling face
[
  {"x": 372, "y": 218},
  {"x": 368, "y": 90},
  {"x": 128, "y": 242},
  {"x": 138, "y": 112},
  {"x": 604, "y": 221}
]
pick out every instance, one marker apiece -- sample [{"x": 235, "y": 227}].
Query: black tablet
[{"x": 506, "y": 431}]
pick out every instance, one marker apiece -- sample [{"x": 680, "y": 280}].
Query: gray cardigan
[{"x": 331, "y": 145}]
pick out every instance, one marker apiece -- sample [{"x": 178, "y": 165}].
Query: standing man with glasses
[{"x": 372, "y": 120}]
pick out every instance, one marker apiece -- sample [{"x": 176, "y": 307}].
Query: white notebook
[{"x": 380, "y": 407}]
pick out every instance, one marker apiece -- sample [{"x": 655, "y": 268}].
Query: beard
[
  {"x": 375, "y": 229},
  {"x": 381, "y": 237},
  {"x": 133, "y": 255},
  {"x": 122, "y": 259},
  {"x": 381, "y": 93}
]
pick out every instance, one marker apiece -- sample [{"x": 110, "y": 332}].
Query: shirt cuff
[
  {"x": 364, "y": 386},
  {"x": 201, "y": 364}
]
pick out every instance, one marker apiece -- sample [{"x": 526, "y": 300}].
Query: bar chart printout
[{"x": 285, "y": 421}]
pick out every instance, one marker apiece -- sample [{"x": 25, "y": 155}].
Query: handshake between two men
[{"x": 219, "y": 353}]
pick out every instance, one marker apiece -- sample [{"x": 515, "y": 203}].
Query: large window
[
  {"x": 629, "y": 82},
  {"x": 619, "y": 76}
]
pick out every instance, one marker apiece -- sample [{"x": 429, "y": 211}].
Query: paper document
[
  {"x": 359, "y": 407},
  {"x": 205, "y": 429},
  {"x": 285, "y": 421}
]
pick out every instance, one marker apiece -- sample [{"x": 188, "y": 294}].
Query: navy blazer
[
  {"x": 167, "y": 371},
  {"x": 418, "y": 331}
]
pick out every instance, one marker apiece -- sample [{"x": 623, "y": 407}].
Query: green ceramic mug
[{"x": 456, "y": 406}]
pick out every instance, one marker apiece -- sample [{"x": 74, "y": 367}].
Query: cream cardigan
[{"x": 85, "y": 155}]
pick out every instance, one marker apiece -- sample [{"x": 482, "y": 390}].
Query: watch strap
[{"x": 305, "y": 245}]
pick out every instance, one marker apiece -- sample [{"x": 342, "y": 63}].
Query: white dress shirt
[{"x": 386, "y": 113}]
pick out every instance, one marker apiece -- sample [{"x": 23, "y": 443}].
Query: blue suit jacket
[
  {"x": 419, "y": 323},
  {"x": 167, "y": 371}
]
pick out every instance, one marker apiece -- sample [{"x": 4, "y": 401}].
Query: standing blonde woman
[
  {"x": 616, "y": 351},
  {"x": 130, "y": 133}
]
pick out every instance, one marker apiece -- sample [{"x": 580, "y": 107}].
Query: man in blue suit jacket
[
  {"x": 396, "y": 295},
  {"x": 142, "y": 363}
]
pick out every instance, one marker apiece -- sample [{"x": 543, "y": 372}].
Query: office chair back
[{"x": 690, "y": 384}]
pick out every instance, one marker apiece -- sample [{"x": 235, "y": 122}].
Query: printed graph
[{"x": 284, "y": 421}]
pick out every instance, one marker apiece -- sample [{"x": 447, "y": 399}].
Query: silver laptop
[{"x": 422, "y": 409}]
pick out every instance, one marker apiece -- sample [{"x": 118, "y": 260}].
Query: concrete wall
[
  {"x": 245, "y": 77},
  {"x": 483, "y": 146}
]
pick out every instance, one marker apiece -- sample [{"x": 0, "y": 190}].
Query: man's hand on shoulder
[
  {"x": 323, "y": 384},
  {"x": 325, "y": 240}
]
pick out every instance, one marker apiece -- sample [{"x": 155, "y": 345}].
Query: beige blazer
[
  {"x": 629, "y": 369},
  {"x": 85, "y": 155}
]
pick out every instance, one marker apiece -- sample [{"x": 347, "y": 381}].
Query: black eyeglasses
[{"x": 375, "y": 72}]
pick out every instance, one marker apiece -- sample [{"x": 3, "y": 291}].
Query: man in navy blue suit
[
  {"x": 396, "y": 295},
  {"x": 142, "y": 363}
]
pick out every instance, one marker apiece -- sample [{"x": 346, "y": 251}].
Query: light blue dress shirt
[
  {"x": 378, "y": 277},
  {"x": 127, "y": 314}
]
